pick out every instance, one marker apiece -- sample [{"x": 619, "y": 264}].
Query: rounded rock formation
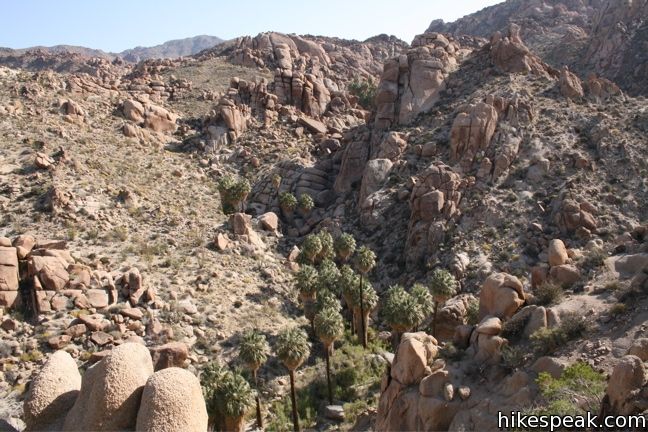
[
  {"x": 172, "y": 401},
  {"x": 111, "y": 391},
  {"x": 52, "y": 393}
]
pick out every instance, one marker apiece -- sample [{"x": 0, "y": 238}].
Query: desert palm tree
[
  {"x": 348, "y": 282},
  {"x": 328, "y": 251},
  {"x": 293, "y": 349},
  {"x": 424, "y": 298},
  {"x": 401, "y": 311},
  {"x": 443, "y": 286},
  {"x": 327, "y": 300},
  {"x": 345, "y": 246},
  {"x": 366, "y": 296},
  {"x": 328, "y": 276},
  {"x": 253, "y": 353},
  {"x": 228, "y": 397},
  {"x": 329, "y": 326},
  {"x": 365, "y": 261},
  {"x": 311, "y": 248},
  {"x": 306, "y": 281}
]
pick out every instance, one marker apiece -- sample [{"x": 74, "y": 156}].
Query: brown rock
[
  {"x": 58, "y": 342},
  {"x": 565, "y": 274},
  {"x": 221, "y": 241},
  {"x": 415, "y": 351},
  {"x": 626, "y": 381},
  {"x": 570, "y": 85},
  {"x": 172, "y": 354},
  {"x": 101, "y": 338},
  {"x": 76, "y": 330},
  {"x": 97, "y": 298}
]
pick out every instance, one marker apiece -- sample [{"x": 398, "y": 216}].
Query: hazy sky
[{"x": 120, "y": 24}]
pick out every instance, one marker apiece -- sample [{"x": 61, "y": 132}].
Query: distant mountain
[
  {"x": 39, "y": 56},
  {"x": 172, "y": 48}
]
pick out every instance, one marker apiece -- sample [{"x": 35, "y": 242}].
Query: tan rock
[
  {"x": 550, "y": 365},
  {"x": 269, "y": 221},
  {"x": 52, "y": 393},
  {"x": 570, "y": 85},
  {"x": 639, "y": 348},
  {"x": 565, "y": 274},
  {"x": 626, "y": 381},
  {"x": 8, "y": 269},
  {"x": 111, "y": 391},
  {"x": 24, "y": 243},
  {"x": 501, "y": 296},
  {"x": 557, "y": 253},
  {"x": 58, "y": 342},
  {"x": 489, "y": 326},
  {"x": 414, "y": 353},
  {"x": 51, "y": 272},
  {"x": 172, "y": 401}
]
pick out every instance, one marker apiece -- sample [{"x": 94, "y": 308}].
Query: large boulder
[
  {"x": 169, "y": 355},
  {"x": 415, "y": 352},
  {"x": 510, "y": 55},
  {"x": 501, "y": 296},
  {"x": 557, "y": 253},
  {"x": 624, "y": 386},
  {"x": 52, "y": 393},
  {"x": 472, "y": 132},
  {"x": 570, "y": 85},
  {"x": 172, "y": 401},
  {"x": 111, "y": 390}
]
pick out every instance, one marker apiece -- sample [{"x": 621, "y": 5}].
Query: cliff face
[{"x": 606, "y": 37}]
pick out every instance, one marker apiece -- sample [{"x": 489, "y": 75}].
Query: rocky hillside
[
  {"x": 601, "y": 36},
  {"x": 415, "y": 236}
]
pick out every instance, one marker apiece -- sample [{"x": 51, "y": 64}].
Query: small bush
[
  {"x": 365, "y": 90},
  {"x": 579, "y": 390},
  {"x": 547, "y": 340},
  {"x": 472, "y": 312},
  {"x": 512, "y": 328},
  {"x": 618, "y": 309},
  {"x": 232, "y": 192},
  {"x": 450, "y": 351},
  {"x": 513, "y": 358},
  {"x": 548, "y": 294}
]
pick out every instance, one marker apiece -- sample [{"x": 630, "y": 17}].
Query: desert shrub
[
  {"x": 365, "y": 90},
  {"x": 512, "y": 328},
  {"x": 472, "y": 312},
  {"x": 450, "y": 351},
  {"x": 513, "y": 357},
  {"x": 547, "y": 340},
  {"x": 548, "y": 293},
  {"x": 618, "y": 309},
  {"x": 579, "y": 390}
]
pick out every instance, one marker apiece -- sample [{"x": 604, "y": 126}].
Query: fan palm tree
[
  {"x": 329, "y": 326},
  {"x": 228, "y": 397},
  {"x": 365, "y": 261},
  {"x": 348, "y": 282},
  {"x": 328, "y": 251},
  {"x": 328, "y": 276},
  {"x": 253, "y": 353},
  {"x": 311, "y": 248},
  {"x": 443, "y": 286},
  {"x": 306, "y": 280},
  {"x": 293, "y": 349},
  {"x": 424, "y": 298},
  {"x": 366, "y": 296},
  {"x": 345, "y": 245},
  {"x": 401, "y": 311}
]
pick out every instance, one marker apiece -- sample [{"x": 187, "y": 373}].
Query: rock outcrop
[{"x": 172, "y": 401}]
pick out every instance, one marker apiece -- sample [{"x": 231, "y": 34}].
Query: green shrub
[
  {"x": 513, "y": 357},
  {"x": 472, "y": 312},
  {"x": 365, "y": 90},
  {"x": 547, "y": 340},
  {"x": 548, "y": 294},
  {"x": 579, "y": 390}
]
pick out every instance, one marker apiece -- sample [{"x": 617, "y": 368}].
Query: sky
[{"x": 117, "y": 25}]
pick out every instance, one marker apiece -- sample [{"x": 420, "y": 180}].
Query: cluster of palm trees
[{"x": 332, "y": 272}]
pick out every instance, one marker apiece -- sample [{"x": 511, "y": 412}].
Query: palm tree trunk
[
  {"x": 258, "y": 401},
  {"x": 363, "y": 325},
  {"x": 436, "y": 309},
  {"x": 328, "y": 375},
  {"x": 293, "y": 396}
]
